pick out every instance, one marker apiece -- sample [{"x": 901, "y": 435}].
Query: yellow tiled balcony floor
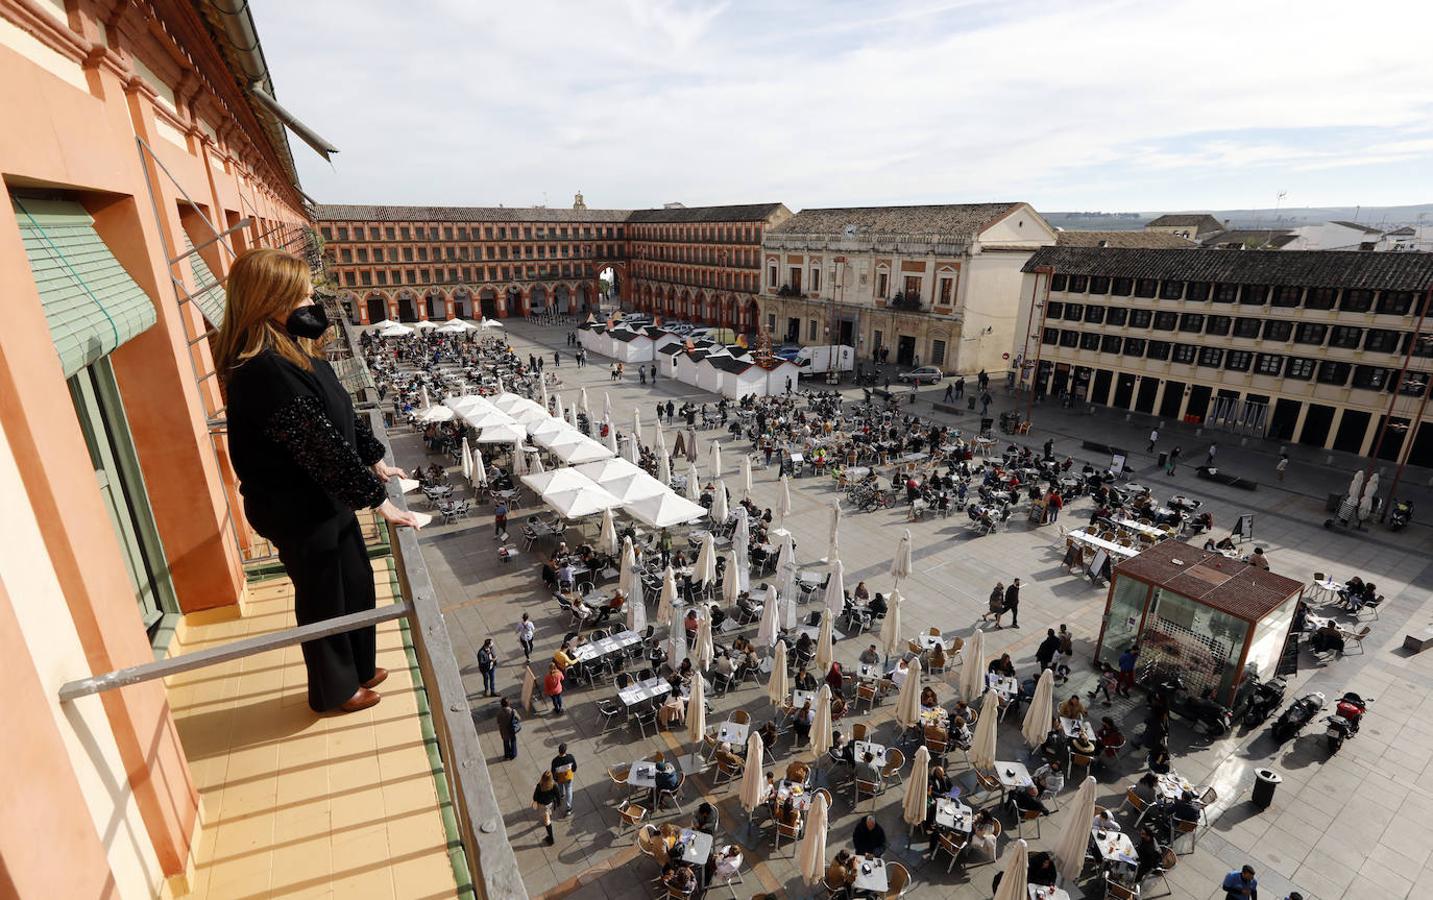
[{"x": 295, "y": 804}]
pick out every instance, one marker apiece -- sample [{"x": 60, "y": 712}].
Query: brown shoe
[
  {"x": 363, "y": 699},
  {"x": 380, "y": 675}
]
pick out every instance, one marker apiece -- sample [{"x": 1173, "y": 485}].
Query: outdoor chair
[
  {"x": 610, "y": 711},
  {"x": 1356, "y": 640},
  {"x": 642, "y": 716},
  {"x": 947, "y": 842},
  {"x": 673, "y": 795},
  {"x": 631, "y": 815}
]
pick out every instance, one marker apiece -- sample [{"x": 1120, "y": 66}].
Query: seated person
[
  {"x": 613, "y": 606},
  {"x": 843, "y": 748},
  {"x": 679, "y": 877},
  {"x": 667, "y": 777},
  {"x": 870, "y": 656},
  {"x": 725, "y": 864},
  {"x": 725, "y": 757},
  {"x": 937, "y": 657},
  {"x": 805, "y": 648},
  {"x": 1050, "y": 778},
  {"x": 982, "y": 836},
  {"x": 1083, "y": 745},
  {"x": 835, "y": 679},
  {"x": 867, "y": 770},
  {"x": 686, "y": 670},
  {"x": 861, "y": 594},
  {"x": 797, "y": 772},
  {"x": 1109, "y": 736},
  {"x": 1003, "y": 666},
  {"x": 900, "y": 672},
  {"x": 1147, "y": 788},
  {"x": 1186, "y": 808},
  {"x": 1055, "y": 746},
  {"x": 1148, "y": 852},
  {"x": 841, "y": 872},
  {"x": 869, "y": 838},
  {"x": 959, "y": 732},
  {"x": 723, "y": 666},
  {"x": 802, "y": 721},
  {"x": 563, "y": 656},
  {"x": 1028, "y": 800},
  {"x": 769, "y": 735},
  {"x": 805, "y": 681},
  {"x": 690, "y": 624},
  {"x": 838, "y": 708},
  {"x": 878, "y": 608},
  {"x": 939, "y": 784},
  {"x": 706, "y": 819},
  {"x": 1326, "y": 638},
  {"x": 747, "y": 604},
  {"x": 1073, "y": 708},
  {"x": 1105, "y": 821},
  {"x": 1041, "y": 869}
]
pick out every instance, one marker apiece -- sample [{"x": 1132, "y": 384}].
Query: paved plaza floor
[{"x": 1356, "y": 826}]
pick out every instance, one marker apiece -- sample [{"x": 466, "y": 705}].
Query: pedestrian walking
[
  {"x": 1209, "y": 457},
  {"x": 544, "y": 798},
  {"x": 1153, "y": 439},
  {"x": 500, "y": 520},
  {"x": 1173, "y": 460},
  {"x": 556, "y": 359},
  {"x": 1127, "y": 662},
  {"x": 488, "y": 665},
  {"x": 1064, "y": 655},
  {"x": 552, "y": 687},
  {"x": 1045, "y": 653},
  {"x": 642, "y": 374},
  {"x": 654, "y": 373},
  {"x": 1049, "y": 448},
  {"x": 985, "y": 401},
  {"x": 949, "y": 392},
  {"x": 564, "y": 771},
  {"x": 996, "y": 607},
  {"x": 509, "y": 724},
  {"x": 1241, "y": 885},
  {"x": 1012, "y": 602},
  {"x": 1282, "y": 465},
  {"x": 960, "y": 388},
  {"x": 525, "y": 633}
]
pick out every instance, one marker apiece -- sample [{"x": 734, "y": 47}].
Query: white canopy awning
[
  {"x": 585, "y": 450},
  {"x": 557, "y": 480},
  {"x": 545, "y": 433},
  {"x": 608, "y": 469},
  {"x": 665, "y": 510},
  {"x": 502, "y": 434},
  {"x": 579, "y": 502},
  {"x": 506, "y": 401}
]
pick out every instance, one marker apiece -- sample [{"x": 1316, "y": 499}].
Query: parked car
[{"x": 923, "y": 375}]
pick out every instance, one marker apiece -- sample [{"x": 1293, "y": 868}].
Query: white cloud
[{"x": 1098, "y": 104}]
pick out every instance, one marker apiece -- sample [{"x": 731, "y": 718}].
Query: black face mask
[{"x": 307, "y": 322}]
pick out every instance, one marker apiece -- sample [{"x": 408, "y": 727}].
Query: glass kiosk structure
[{"x": 1199, "y": 614}]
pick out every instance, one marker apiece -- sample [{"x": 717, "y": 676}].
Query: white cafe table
[
  {"x": 732, "y": 732},
  {"x": 874, "y": 880},
  {"x": 953, "y": 814},
  {"x": 1013, "y": 774},
  {"x": 860, "y": 748}
]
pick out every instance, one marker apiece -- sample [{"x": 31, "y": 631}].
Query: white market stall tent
[
  {"x": 777, "y": 374},
  {"x": 740, "y": 378}
]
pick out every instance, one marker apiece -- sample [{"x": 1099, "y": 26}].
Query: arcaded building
[
  {"x": 408, "y": 263},
  {"x": 1324, "y": 348}
]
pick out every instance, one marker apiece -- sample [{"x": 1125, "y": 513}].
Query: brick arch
[
  {"x": 687, "y": 309},
  {"x": 438, "y": 307},
  {"x": 753, "y": 315}
]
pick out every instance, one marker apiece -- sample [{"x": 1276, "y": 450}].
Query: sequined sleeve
[
  {"x": 301, "y": 427},
  {"x": 370, "y": 448}
]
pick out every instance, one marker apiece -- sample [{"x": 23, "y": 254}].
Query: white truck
[{"x": 826, "y": 358}]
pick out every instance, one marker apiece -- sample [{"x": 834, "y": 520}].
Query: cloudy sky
[{"x": 1098, "y": 104}]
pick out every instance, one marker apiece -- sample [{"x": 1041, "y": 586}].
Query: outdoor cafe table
[
  {"x": 651, "y": 689},
  {"x": 877, "y": 750},
  {"x": 1325, "y": 591},
  {"x": 605, "y": 646},
  {"x": 642, "y": 773},
  {"x": 929, "y": 641},
  {"x": 1013, "y": 774},
  {"x": 1076, "y": 728},
  {"x": 800, "y": 797},
  {"x": 1099, "y": 543},
  {"x": 696, "y": 846},
  {"x": 799, "y": 698},
  {"x": 815, "y": 632},
  {"x": 1172, "y": 785},
  {"x": 1113, "y": 846},
  {"x": 732, "y": 732},
  {"x": 1047, "y": 892},
  {"x": 953, "y": 814},
  {"x": 874, "y": 880},
  {"x": 1140, "y": 527},
  {"x": 869, "y": 671},
  {"x": 1003, "y": 685}
]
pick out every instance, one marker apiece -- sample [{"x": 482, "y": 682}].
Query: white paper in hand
[
  {"x": 408, "y": 485},
  {"x": 422, "y": 518}
]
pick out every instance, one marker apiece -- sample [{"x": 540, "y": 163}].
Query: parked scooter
[
  {"x": 1343, "y": 724},
  {"x": 1213, "y": 715},
  {"x": 1292, "y": 720},
  {"x": 1267, "y": 697},
  {"x": 1400, "y": 515}
]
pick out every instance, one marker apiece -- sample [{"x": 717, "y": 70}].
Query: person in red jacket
[{"x": 552, "y": 686}]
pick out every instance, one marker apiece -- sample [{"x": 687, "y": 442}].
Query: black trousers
[{"x": 332, "y": 577}]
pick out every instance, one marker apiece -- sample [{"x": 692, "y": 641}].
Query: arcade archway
[
  {"x": 377, "y": 308},
  {"x": 488, "y": 303},
  {"x": 435, "y": 306},
  {"x": 462, "y": 303}
]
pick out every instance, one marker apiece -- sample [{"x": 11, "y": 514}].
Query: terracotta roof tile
[
  {"x": 1304, "y": 268},
  {"x": 1147, "y": 240},
  {"x": 959, "y": 220}
]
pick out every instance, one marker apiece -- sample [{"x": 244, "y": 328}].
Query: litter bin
[
  {"x": 1265, "y": 781},
  {"x": 1163, "y": 459}
]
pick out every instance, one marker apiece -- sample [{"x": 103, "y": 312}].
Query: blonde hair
[{"x": 263, "y": 287}]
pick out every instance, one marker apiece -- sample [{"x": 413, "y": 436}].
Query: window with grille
[
  {"x": 1247, "y": 328},
  {"x": 1111, "y": 343},
  {"x": 1059, "y": 282},
  {"x": 1355, "y": 300},
  {"x": 1321, "y": 298},
  {"x": 1226, "y": 293},
  {"x": 1198, "y": 291},
  {"x": 1184, "y": 353},
  {"x": 1371, "y": 378},
  {"x": 1346, "y": 336},
  {"x": 1095, "y": 314},
  {"x": 1074, "y": 312},
  {"x": 1140, "y": 318},
  {"x": 1254, "y": 294},
  {"x": 1099, "y": 284},
  {"x": 1069, "y": 339},
  {"x": 1146, "y": 287},
  {"x": 1218, "y": 325},
  {"x": 1310, "y": 333},
  {"x": 1212, "y": 357},
  {"x": 1171, "y": 290},
  {"x": 1165, "y": 321},
  {"x": 1116, "y": 316},
  {"x": 1299, "y": 368},
  {"x": 1078, "y": 284},
  {"x": 1333, "y": 372},
  {"x": 1395, "y": 303},
  {"x": 1054, "y": 310},
  {"x": 1238, "y": 360},
  {"x": 1134, "y": 346},
  {"x": 1191, "y": 322},
  {"x": 1278, "y": 330},
  {"x": 1157, "y": 350},
  {"x": 1381, "y": 340},
  {"x": 1089, "y": 341},
  {"x": 1288, "y": 296},
  {"x": 1050, "y": 337}
]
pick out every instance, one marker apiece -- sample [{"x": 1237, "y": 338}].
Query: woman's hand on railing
[
  {"x": 384, "y": 471},
  {"x": 398, "y": 516}
]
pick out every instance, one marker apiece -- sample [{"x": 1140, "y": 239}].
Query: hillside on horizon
[{"x": 1384, "y": 217}]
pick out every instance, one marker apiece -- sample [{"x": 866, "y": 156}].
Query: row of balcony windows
[
  {"x": 1316, "y": 334},
  {"x": 384, "y": 277},
  {"x": 1398, "y": 303},
  {"x": 465, "y": 233},
  {"x": 420, "y": 253},
  {"x": 1297, "y": 368}
]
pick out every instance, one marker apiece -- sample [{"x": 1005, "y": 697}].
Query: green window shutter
[
  {"x": 91, "y": 303},
  {"x": 208, "y": 294}
]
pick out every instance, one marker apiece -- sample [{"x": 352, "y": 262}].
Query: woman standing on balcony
[{"x": 305, "y": 462}]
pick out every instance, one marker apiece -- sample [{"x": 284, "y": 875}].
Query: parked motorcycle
[
  {"x": 1343, "y": 724},
  {"x": 1201, "y": 710},
  {"x": 1292, "y": 720},
  {"x": 1401, "y": 514},
  {"x": 1267, "y": 696}
]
